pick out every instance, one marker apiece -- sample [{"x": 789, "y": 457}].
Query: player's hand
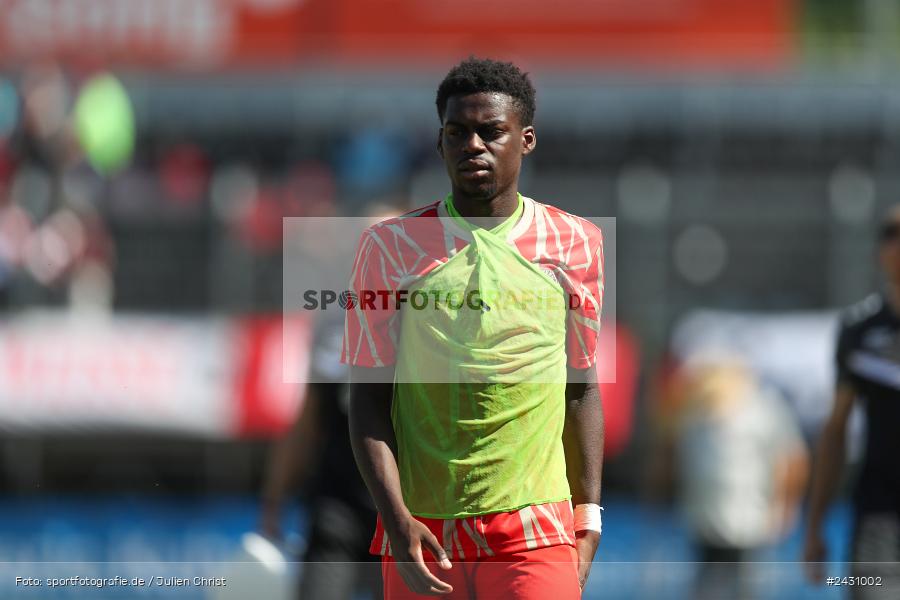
[
  {"x": 586, "y": 543},
  {"x": 814, "y": 554},
  {"x": 407, "y": 548}
]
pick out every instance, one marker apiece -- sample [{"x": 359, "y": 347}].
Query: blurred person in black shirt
[
  {"x": 316, "y": 452},
  {"x": 868, "y": 369}
]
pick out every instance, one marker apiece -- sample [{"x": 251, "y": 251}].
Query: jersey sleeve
[
  {"x": 585, "y": 277},
  {"x": 371, "y": 323}
]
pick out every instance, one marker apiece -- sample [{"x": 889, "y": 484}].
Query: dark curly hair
[{"x": 475, "y": 75}]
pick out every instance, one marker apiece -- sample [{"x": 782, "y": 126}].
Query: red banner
[
  {"x": 578, "y": 33},
  {"x": 203, "y": 376},
  {"x": 222, "y": 33},
  {"x": 618, "y": 393},
  {"x": 274, "y": 359}
]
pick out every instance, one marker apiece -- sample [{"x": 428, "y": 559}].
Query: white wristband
[{"x": 587, "y": 518}]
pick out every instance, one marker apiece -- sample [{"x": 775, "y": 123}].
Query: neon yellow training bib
[{"x": 479, "y": 398}]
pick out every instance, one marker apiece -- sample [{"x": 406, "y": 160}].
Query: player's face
[
  {"x": 890, "y": 251},
  {"x": 482, "y": 142}
]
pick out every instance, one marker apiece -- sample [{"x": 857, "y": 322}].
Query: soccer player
[
  {"x": 475, "y": 417},
  {"x": 868, "y": 369}
]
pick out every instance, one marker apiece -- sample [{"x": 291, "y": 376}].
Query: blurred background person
[
  {"x": 740, "y": 466},
  {"x": 868, "y": 371},
  {"x": 315, "y": 455}
]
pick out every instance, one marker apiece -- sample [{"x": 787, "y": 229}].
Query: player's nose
[{"x": 473, "y": 144}]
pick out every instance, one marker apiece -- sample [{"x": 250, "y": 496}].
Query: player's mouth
[{"x": 473, "y": 168}]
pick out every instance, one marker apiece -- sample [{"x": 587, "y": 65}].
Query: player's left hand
[{"x": 586, "y": 543}]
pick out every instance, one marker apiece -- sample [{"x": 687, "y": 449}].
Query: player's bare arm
[
  {"x": 375, "y": 448},
  {"x": 828, "y": 466},
  {"x": 583, "y": 442}
]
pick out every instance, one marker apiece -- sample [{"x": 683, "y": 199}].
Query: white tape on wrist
[{"x": 588, "y": 518}]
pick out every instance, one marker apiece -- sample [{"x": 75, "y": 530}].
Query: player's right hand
[
  {"x": 814, "y": 555},
  {"x": 406, "y": 547}
]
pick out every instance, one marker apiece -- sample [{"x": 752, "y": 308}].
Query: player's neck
[{"x": 499, "y": 208}]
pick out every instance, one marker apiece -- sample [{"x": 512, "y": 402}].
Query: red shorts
[
  {"x": 530, "y": 528},
  {"x": 545, "y": 573},
  {"x": 521, "y": 554}
]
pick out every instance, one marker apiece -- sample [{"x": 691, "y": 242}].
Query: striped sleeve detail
[
  {"x": 391, "y": 254},
  {"x": 572, "y": 248},
  {"x": 368, "y": 337},
  {"x": 587, "y": 287}
]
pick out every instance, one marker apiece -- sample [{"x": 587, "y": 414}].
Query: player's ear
[
  {"x": 440, "y": 148},
  {"x": 529, "y": 139}
]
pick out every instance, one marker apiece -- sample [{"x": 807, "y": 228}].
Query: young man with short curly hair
[{"x": 474, "y": 414}]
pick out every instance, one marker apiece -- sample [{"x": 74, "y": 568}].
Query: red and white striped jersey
[{"x": 397, "y": 252}]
